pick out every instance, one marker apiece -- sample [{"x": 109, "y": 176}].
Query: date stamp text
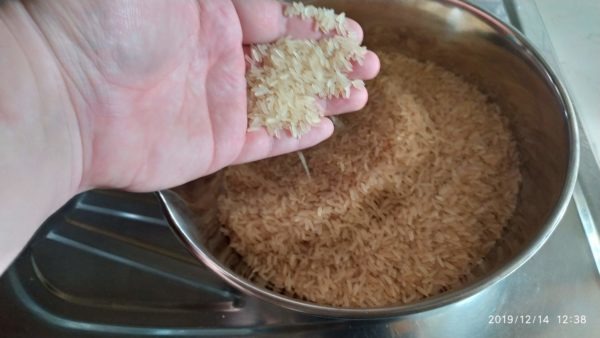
[{"x": 537, "y": 319}]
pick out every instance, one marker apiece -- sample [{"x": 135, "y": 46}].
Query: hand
[
  {"x": 158, "y": 90},
  {"x": 139, "y": 95}
]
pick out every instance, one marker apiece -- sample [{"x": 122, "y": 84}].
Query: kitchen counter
[{"x": 574, "y": 31}]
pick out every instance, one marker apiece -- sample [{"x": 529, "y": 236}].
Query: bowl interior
[{"x": 476, "y": 46}]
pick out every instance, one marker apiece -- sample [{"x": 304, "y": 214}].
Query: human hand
[{"x": 158, "y": 87}]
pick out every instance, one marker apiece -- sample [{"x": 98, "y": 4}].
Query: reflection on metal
[
  {"x": 589, "y": 224},
  {"x": 86, "y": 327},
  {"x": 587, "y": 190}
]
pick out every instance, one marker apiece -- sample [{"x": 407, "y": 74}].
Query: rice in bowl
[{"x": 405, "y": 199}]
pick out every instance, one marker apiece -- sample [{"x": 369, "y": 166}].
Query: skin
[{"x": 134, "y": 95}]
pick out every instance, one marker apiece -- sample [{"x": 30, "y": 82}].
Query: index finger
[{"x": 264, "y": 21}]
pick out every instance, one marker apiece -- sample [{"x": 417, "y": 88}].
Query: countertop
[{"x": 574, "y": 31}]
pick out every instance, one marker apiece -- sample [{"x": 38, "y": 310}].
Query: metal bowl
[{"x": 483, "y": 50}]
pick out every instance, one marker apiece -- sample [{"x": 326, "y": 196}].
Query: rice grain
[{"x": 403, "y": 203}]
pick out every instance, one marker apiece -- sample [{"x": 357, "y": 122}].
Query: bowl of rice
[{"x": 455, "y": 173}]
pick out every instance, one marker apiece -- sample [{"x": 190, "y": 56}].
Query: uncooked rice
[
  {"x": 325, "y": 19},
  {"x": 404, "y": 200},
  {"x": 286, "y": 78}
]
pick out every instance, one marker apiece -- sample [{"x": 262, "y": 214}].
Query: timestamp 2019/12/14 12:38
[{"x": 537, "y": 319}]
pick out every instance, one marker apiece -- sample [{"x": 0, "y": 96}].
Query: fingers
[
  {"x": 369, "y": 68},
  {"x": 264, "y": 21},
  {"x": 259, "y": 144},
  {"x": 357, "y": 100},
  {"x": 358, "y": 97}
]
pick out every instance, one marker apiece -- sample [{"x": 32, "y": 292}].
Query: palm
[{"x": 158, "y": 89}]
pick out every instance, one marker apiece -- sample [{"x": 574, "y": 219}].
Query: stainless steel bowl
[{"x": 474, "y": 44}]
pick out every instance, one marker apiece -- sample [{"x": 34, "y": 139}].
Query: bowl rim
[{"x": 452, "y": 296}]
